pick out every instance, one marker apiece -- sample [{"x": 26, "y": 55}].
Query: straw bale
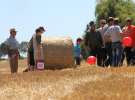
[{"x": 58, "y": 52}]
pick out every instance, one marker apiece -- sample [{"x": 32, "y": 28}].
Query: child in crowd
[{"x": 77, "y": 52}]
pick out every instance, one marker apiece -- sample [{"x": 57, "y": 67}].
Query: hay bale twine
[{"x": 58, "y": 52}]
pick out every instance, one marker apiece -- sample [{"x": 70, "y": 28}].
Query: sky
[{"x": 60, "y": 17}]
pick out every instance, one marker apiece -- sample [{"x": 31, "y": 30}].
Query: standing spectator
[
  {"x": 108, "y": 44},
  {"x": 114, "y": 32},
  {"x": 102, "y": 30},
  {"x": 13, "y": 53},
  {"x": 77, "y": 51},
  {"x": 93, "y": 40},
  {"x": 129, "y": 31}
]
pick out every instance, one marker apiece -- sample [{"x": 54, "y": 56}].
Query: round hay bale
[{"x": 58, "y": 52}]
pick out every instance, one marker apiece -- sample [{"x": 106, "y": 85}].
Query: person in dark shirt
[{"x": 93, "y": 40}]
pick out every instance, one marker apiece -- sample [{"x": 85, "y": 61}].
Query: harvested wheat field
[{"x": 82, "y": 83}]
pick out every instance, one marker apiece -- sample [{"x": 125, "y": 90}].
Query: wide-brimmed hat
[
  {"x": 110, "y": 19},
  {"x": 116, "y": 19},
  {"x": 12, "y": 30},
  {"x": 128, "y": 19}
]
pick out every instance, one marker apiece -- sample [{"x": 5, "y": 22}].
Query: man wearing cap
[
  {"x": 93, "y": 40},
  {"x": 108, "y": 44},
  {"x": 114, "y": 32},
  {"x": 129, "y": 31},
  {"x": 12, "y": 50}
]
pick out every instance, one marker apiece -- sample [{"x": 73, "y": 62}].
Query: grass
[{"x": 83, "y": 83}]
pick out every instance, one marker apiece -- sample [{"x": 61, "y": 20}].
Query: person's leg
[
  {"x": 16, "y": 64},
  {"x": 122, "y": 59},
  {"x": 115, "y": 52},
  {"x": 110, "y": 55},
  {"x": 28, "y": 61},
  {"x": 108, "y": 60},
  {"x": 104, "y": 56},
  {"x": 128, "y": 55},
  {"x": 11, "y": 62},
  {"x": 99, "y": 56},
  {"x": 113, "y": 56},
  {"x": 120, "y": 54},
  {"x": 106, "y": 63},
  {"x": 32, "y": 61},
  {"x": 133, "y": 58},
  {"x": 77, "y": 60}
]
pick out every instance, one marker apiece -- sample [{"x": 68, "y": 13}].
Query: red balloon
[
  {"x": 91, "y": 60},
  {"x": 127, "y": 41}
]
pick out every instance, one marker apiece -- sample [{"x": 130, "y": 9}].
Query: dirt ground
[{"x": 83, "y": 83}]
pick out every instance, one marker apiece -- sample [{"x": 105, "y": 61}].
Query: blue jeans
[{"x": 117, "y": 51}]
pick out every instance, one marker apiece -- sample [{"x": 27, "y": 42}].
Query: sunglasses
[{"x": 129, "y": 21}]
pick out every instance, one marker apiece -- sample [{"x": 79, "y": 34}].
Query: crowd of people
[{"x": 105, "y": 42}]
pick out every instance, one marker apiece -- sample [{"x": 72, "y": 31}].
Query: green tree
[
  {"x": 115, "y": 8},
  {"x": 23, "y": 46}
]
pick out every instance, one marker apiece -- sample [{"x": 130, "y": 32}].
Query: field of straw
[{"x": 82, "y": 83}]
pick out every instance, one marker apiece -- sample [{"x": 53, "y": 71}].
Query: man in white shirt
[{"x": 114, "y": 33}]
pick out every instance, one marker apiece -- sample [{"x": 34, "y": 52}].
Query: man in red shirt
[{"x": 129, "y": 31}]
